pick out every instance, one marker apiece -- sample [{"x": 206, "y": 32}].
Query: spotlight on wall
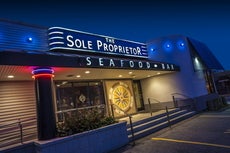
[
  {"x": 153, "y": 49},
  {"x": 180, "y": 45},
  {"x": 29, "y": 39},
  {"x": 168, "y": 46}
]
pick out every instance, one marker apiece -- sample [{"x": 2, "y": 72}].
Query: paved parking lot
[{"x": 207, "y": 132}]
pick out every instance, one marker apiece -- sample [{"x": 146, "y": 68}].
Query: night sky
[{"x": 139, "y": 20}]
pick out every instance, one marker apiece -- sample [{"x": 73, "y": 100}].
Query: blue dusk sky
[{"x": 139, "y": 20}]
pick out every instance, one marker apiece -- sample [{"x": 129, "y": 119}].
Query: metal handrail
[
  {"x": 16, "y": 122},
  {"x": 130, "y": 120},
  {"x": 157, "y": 101},
  {"x": 150, "y": 106},
  {"x": 9, "y": 124},
  {"x": 82, "y": 108},
  {"x": 62, "y": 112},
  {"x": 16, "y": 125},
  {"x": 185, "y": 96}
]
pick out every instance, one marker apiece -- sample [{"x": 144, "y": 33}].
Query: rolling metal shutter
[{"x": 17, "y": 103}]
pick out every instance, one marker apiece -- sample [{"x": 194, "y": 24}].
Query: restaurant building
[{"x": 46, "y": 72}]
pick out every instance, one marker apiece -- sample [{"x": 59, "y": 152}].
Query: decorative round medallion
[{"x": 121, "y": 97}]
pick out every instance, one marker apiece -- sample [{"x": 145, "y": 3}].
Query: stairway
[{"x": 155, "y": 123}]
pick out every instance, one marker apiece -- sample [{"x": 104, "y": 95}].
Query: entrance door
[{"x": 138, "y": 95}]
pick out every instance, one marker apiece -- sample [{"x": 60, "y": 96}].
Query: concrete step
[
  {"x": 144, "y": 129},
  {"x": 149, "y": 123},
  {"x": 152, "y": 118}
]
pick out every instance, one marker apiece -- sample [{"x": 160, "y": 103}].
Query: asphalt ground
[{"x": 207, "y": 132}]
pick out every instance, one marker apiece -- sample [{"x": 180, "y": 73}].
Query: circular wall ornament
[{"x": 121, "y": 96}]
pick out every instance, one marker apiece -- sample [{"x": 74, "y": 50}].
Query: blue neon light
[{"x": 43, "y": 71}]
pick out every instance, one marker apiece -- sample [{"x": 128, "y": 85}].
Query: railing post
[
  {"x": 150, "y": 107},
  {"x": 167, "y": 113},
  {"x": 131, "y": 127},
  {"x": 130, "y": 121},
  {"x": 175, "y": 102},
  {"x": 194, "y": 104},
  {"x": 21, "y": 132},
  {"x": 112, "y": 110}
]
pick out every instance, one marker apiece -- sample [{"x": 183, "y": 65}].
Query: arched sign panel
[{"x": 68, "y": 39}]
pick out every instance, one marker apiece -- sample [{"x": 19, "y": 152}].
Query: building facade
[{"x": 47, "y": 73}]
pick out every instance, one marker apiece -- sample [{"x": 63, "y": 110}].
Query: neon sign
[{"x": 67, "y": 39}]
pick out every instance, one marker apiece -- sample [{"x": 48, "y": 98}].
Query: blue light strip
[{"x": 42, "y": 71}]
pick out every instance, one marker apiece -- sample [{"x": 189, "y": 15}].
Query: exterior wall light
[
  {"x": 153, "y": 49},
  {"x": 196, "y": 60},
  {"x": 168, "y": 46},
  {"x": 180, "y": 45},
  {"x": 29, "y": 39}
]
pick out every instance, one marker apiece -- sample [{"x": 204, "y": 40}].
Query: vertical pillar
[{"x": 45, "y": 108}]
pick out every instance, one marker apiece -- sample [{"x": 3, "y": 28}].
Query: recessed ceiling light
[
  {"x": 10, "y": 76},
  {"x": 78, "y": 76},
  {"x": 130, "y": 72},
  {"x": 120, "y": 76},
  {"x": 148, "y": 76},
  {"x": 158, "y": 73},
  {"x": 87, "y": 72}
]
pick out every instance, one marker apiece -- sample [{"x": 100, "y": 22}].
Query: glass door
[{"x": 138, "y": 95}]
